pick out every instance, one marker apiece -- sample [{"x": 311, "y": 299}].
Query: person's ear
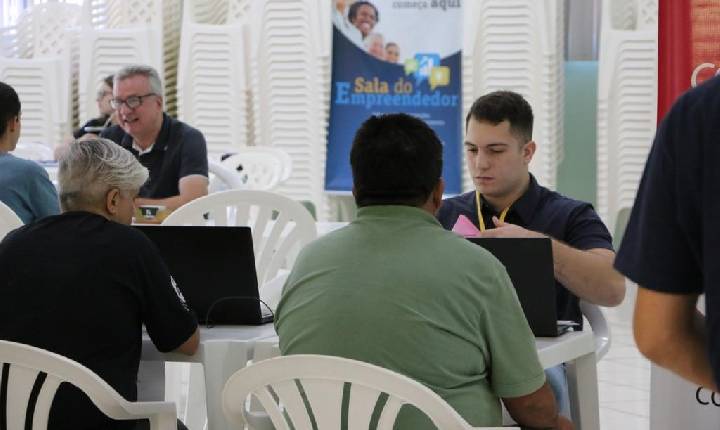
[
  {"x": 437, "y": 193},
  {"x": 13, "y": 123},
  {"x": 528, "y": 151},
  {"x": 112, "y": 199}
]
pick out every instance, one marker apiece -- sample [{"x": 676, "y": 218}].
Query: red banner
[{"x": 688, "y": 47}]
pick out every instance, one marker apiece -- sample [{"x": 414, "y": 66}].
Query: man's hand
[{"x": 505, "y": 229}]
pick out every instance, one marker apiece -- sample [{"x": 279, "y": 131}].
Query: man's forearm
[
  {"x": 535, "y": 410},
  {"x": 588, "y": 275},
  {"x": 671, "y": 333}
]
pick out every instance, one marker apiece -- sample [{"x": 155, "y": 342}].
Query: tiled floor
[{"x": 623, "y": 374}]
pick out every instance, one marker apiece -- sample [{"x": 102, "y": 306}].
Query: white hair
[
  {"x": 142, "y": 70},
  {"x": 371, "y": 38},
  {"x": 90, "y": 168}
]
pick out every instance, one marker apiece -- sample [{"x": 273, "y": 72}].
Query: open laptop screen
[
  {"x": 214, "y": 268},
  {"x": 529, "y": 264}
]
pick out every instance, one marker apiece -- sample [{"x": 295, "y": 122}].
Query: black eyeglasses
[{"x": 132, "y": 102}]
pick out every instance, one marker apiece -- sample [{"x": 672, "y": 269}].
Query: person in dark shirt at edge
[
  {"x": 508, "y": 202},
  {"x": 83, "y": 283},
  {"x": 672, "y": 241}
]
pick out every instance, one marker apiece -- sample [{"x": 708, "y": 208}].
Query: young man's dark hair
[
  {"x": 352, "y": 12},
  {"x": 9, "y": 105},
  {"x": 396, "y": 159},
  {"x": 499, "y": 106}
]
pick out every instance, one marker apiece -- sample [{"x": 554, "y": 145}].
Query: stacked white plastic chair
[
  {"x": 116, "y": 33},
  {"x": 40, "y": 71},
  {"x": 212, "y": 75},
  {"x": 33, "y": 151},
  {"x": 290, "y": 72},
  {"x": 518, "y": 45},
  {"x": 627, "y": 101}
]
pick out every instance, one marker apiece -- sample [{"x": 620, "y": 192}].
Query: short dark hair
[
  {"x": 9, "y": 106},
  {"x": 499, "y": 106},
  {"x": 396, "y": 159},
  {"x": 109, "y": 80},
  {"x": 352, "y": 12}
]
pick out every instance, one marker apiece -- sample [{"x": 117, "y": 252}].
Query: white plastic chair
[
  {"x": 222, "y": 178},
  {"x": 264, "y": 167},
  {"x": 33, "y": 151},
  {"x": 600, "y": 328},
  {"x": 212, "y": 74},
  {"x": 322, "y": 379},
  {"x": 280, "y": 226},
  {"x": 26, "y": 363},
  {"x": 9, "y": 220},
  {"x": 627, "y": 103}
]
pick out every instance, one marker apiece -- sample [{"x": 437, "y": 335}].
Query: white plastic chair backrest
[
  {"x": 222, "y": 178},
  {"x": 9, "y": 220},
  {"x": 600, "y": 328},
  {"x": 280, "y": 226},
  {"x": 33, "y": 151},
  {"x": 322, "y": 379},
  {"x": 265, "y": 168},
  {"x": 24, "y": 367}
]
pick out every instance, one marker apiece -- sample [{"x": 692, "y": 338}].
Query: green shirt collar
[{"x": 395, "y": 212}]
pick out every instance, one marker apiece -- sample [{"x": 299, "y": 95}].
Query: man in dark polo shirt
[
  {"x": 173, "y": 152},
  {"x": 508, "y": 202},
  {"x": 83, "y": 283},
  {"x": 672, "y": 241}
]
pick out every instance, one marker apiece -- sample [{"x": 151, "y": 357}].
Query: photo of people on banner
[{"x": 395, "y": 56}]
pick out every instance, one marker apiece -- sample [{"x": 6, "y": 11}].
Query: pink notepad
[{"x": 465, "y": 228}]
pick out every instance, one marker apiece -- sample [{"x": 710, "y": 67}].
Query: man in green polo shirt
[{"x": 395, "y": 289}]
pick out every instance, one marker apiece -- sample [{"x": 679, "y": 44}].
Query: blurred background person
[
  {"x": 340, "y": 20},
  {"x": 364, "y": 16},
  {"x": 107, "y": 113},
  {"x": 375, "y": 45},
  {"x": 392, "y": 52}
]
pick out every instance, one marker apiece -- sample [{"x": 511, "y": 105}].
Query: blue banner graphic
[{"x": 379, "y": 66}]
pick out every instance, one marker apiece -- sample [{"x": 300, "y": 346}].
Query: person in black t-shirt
[
  {"x": 83, "y": 283},
  {"x": 672, "y": 241}
]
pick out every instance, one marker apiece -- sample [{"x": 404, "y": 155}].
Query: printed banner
[
  {"x": 688, "y": 47},
  {"x": 395, "y": 56}
]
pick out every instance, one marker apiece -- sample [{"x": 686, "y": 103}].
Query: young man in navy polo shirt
[
  {"x": 174, "y": 152},
  {"x": 508, "y": 202},
  {"x": 672, "y": 241}
]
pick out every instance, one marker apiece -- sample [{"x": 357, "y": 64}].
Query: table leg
[
  {"x": 583, "y": 390},
  {"x": 221, "y": 360}
]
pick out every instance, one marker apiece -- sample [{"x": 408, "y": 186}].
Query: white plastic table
[
  {"x": 225, "y": 350},
  {"x": 222, "y": 352}
]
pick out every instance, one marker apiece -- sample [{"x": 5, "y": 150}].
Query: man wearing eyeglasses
[{"x": 174, "y": 152}]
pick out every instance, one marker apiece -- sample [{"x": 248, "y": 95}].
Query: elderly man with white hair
[{"x": 83, "y": 283}]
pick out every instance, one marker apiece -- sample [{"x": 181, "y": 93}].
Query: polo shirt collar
[
  {"x": 525, "y": 206},
  {"x": 395, "y": 211}
]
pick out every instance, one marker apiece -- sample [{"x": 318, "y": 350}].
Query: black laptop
[
  {"x": 214, "y": 267},
  {"x": 529, "y": 263}
]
